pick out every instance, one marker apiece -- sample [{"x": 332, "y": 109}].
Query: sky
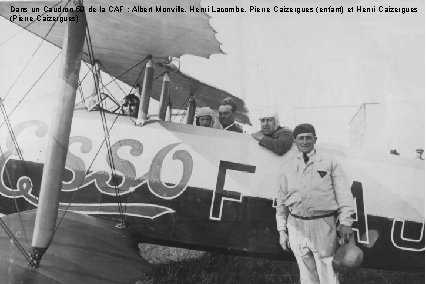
[{"x": 316, "y": 68}]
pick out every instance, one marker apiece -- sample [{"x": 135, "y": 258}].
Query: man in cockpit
[
  {"x": 272, "y": 136},
  {"x": 131, "y": 105},
  {"x": 227, "y": 111},
  {"x": 205, "y": 117}
]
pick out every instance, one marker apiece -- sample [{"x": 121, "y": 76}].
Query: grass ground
[{"x": 170, "y": 265}]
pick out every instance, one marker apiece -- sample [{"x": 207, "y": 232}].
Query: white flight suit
[{"x": 317, "y": 188}]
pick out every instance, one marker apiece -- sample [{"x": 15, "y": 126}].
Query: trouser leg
[
  {"x": 307, "y": 268},
  {"x": 324, "y": 241},
  {"x": 325, "y": 270},
  {"x": 304, "y": 257}
]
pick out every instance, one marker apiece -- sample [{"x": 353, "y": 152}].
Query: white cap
[
  {"x": 271, "y": 114},
  {"x": 204, "y": 111}
]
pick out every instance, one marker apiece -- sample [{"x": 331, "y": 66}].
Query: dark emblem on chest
[{"x": 322, "y": 173}]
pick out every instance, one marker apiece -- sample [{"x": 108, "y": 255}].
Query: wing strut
[
  {"x": 146, "y": 92},
  {"x": 189, "y": 119},
  {"x": 59, "y": 132},
  {"x": 164, "y": 97},
  {"x": 169, "y": 111},
  {"x": 92, "y": 103}
]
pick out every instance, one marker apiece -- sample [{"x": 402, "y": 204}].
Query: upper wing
[{"x": 121, "y": 38}]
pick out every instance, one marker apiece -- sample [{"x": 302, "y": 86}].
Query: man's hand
[
  {"x": 346, "y": 233},
  {"x": 258, "y": 135},
  {"x": 284, "y": 241},
  {"x": 140, "y": 122}
]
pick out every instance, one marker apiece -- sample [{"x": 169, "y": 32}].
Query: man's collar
[
  {"x": 313, "y": 155},
  {"x": 300, "y": 154}
]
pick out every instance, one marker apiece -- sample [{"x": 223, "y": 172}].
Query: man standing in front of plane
[{"x": 313, "y": 193}]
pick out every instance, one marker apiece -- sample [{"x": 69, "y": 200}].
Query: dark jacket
[{"x": 279, "y": 142}]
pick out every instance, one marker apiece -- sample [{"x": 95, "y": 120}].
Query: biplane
[{"x": 85, "y": 187}]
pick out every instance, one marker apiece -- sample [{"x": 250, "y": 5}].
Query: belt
[{"x": 313, "y": 217}]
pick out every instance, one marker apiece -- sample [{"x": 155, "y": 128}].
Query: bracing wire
[
  {"x": 125, "y": 72},
  {"x": 14, "y": 200},
  {"x": 32, "y": 86},
  {"x": 19, "y": 152},
  {"x": 161, "y": 75},
  {"x": 114, "y": 80},
  {"x": 32, "y": 56},
  {"x": 29, "y": 24},
  {"x": 183, "y": 106},
  {"x": 15, "y": 240},
  {"x": 103, "y": 86},
  {"x": 7, "y": 119},
  {"x": 13, "y": 137},
  {"x": 109, "y": 92},
  {"x": 139, "y": 75},
  {"x": 104, "y": 126},
  {"x": 86, "y": 173},
  {"x": 16, "y": 206},
  {"x": 80, "y": 88}
]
